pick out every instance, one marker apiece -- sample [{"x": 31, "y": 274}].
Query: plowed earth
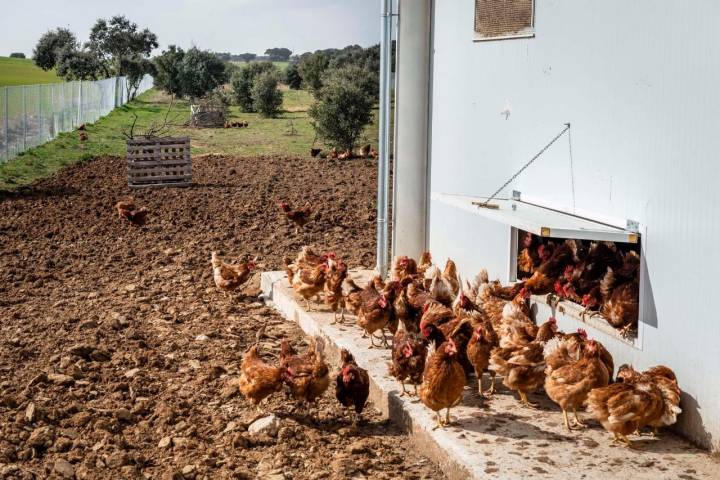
[{"x": 118, "y": 355}]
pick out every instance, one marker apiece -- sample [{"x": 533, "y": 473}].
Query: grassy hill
[
  {"x": 22, "y": 71},
  {"x": 281, "y": 65},
  {"x": 290, "y": 133}
]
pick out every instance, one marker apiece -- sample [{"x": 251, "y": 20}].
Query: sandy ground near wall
[{"x": 117, "y": 354}]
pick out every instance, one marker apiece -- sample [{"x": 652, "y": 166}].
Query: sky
[{"x": 234, "y": 26}]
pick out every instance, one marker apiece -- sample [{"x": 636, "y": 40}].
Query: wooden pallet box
[{"x": 159, "y": 162}]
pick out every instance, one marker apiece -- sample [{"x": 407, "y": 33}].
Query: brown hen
[
  {"x": 569, "y": 385},
  {"x": 443, "y": 381}
]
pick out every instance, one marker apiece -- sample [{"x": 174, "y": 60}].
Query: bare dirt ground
[{"x": 117, "y": 354}]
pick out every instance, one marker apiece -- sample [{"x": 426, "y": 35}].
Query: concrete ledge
[{"x": 497, "y": 438}]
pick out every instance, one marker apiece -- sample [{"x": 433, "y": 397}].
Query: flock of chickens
[
  {"x": 366, "y": 151},
  {"x": 597, "y": 275},
  {"x": 443, "y": 332}
]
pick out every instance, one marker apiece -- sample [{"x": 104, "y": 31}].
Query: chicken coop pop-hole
[
  {"x": 531, "y": 222},
  {"x": 595, "y": 282}
]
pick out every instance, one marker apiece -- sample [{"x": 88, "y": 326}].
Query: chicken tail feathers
[{"x": 607, "y": 283}]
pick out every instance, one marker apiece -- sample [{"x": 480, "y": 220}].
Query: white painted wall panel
[{"x": 639, "y": 83}]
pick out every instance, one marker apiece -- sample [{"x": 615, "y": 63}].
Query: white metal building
[{"x": 638, "y": 81}]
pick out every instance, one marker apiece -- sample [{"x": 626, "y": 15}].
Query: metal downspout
[{"x": 384, "y": 140}]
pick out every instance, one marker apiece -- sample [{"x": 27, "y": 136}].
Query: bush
[
  {"x": 267, "y": 99},
  {"x": 17, "y": 55},
  {"x": 168, "y": 66},
  {"x": 200, "y": 72},
  {"x": 292, "y": 76},
  {"x": 51, "y": 44},
  {"x": 342, "y": 110},
  {"x": 311, "y": 68},
  {"x": 74, "y": 64},
  {"x": 361, "y": 76},
  {"x": 243, "y": 82}
]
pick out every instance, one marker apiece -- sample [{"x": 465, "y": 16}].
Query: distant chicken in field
[
  {"x": 128, "y": 210},
  {"x": 257, "y": 378},
  {"x": 443, "y": 381},
  {"x": 229, "y": 277},
  {"x": 300, "y": 217},
  {"x": 352, "y": 384},
  {"x": 365, "y": 151},
  {"x": 314, "y": 152},
  {"x": 306, "y": 375},
  {"x": 408, "y": 359},
  {"x": 569, "y": 386}
]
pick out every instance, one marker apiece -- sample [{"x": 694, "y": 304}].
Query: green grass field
[
  {"x": 280, "y": 65},
  {"x": 22, "y": 71},
  {"x": 263, "y": 136}
]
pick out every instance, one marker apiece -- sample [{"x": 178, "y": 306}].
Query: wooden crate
[{"x": 159, "y": 162}]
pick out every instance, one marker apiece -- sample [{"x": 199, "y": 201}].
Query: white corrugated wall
[{"x": 639, "y": 82}]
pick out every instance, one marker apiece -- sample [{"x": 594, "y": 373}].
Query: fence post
[
  {"x": 7, "y": 130},
  {"x": 24, "y": 88},
  {"x": 80, "y": 100},
  {"x": 41, "y": 120}
]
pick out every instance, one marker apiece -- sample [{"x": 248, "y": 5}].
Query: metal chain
[{"x": 486, "y": 202}]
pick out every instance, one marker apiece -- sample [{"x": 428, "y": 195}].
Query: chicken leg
[
  {"x": 447, "y": 417},
  {"x": 384, "y": 338},
  {"x": 620, "y": 438},
  {"x": 578, "y": 423},
  {"x": 491, "y": 391},
  {"x": 404, "y": 392},
  {"x": 524, "y": 400},
  {"x": 439, "y": 421}
]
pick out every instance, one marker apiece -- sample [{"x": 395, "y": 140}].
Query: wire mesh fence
[{"x": 30, "y": 115}]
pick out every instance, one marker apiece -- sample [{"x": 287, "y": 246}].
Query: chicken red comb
[
  {"x": 552, "y": 320},
  {"x": 582, "y": 332},
  {"x": 425, "y": 307},
  {"x": 558, "y": 287},
  {"x": 382, "y": 301}
]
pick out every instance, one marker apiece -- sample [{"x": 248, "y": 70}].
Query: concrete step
[{"x": 495, "y": 438}]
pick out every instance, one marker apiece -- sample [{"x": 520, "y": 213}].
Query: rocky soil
[{"x": 118, "y": 355}]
